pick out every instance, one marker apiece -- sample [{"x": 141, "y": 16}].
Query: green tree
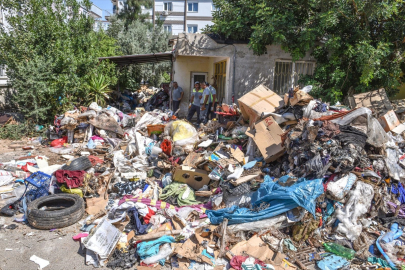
[
  {"x": 51, "y": 50},
  {"x": 132, "y": 11},
  {"x": 140, "y": 37},
  {"x": 358, "y": 45}
]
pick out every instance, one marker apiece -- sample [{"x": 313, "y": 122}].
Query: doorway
[{"x": 197, "y": 77}]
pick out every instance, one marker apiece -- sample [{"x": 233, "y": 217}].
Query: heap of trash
[{"x": 277, "y": 183}]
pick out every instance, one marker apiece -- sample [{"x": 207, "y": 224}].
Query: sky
[{"x": 105, "y": 5}]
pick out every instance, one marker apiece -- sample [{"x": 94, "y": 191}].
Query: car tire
[
  {"x": 59, "y": 217},
  {"x": 78, "y": 164}
]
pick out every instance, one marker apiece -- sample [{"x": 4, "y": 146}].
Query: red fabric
[
  {"x": 95, "y": 160},
  {"x": 147, "y": 218},
  {"x": 72, "y": 179},
  {"x": 236, "y": 262},
  {"x": 59, "y": 142},
  {"x": 166, "y": 146},
  {"x": 325, "y": 186}
]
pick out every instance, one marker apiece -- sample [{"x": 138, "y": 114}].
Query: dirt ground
[{"x": 19, "y": 244}]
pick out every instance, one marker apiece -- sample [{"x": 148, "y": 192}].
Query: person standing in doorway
[
  {"x": 195, "y": 102},
  {"x": 177, "y": 96},
  {"x": 210, "y": 98}
]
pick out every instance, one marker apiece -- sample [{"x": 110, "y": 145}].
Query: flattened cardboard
[
  {"x": 195, "y": 178},
  {"x": 238, "y": 155},
  {"x": 261, "y": 99},
  {"x": 267, "y": 136},
  {"x": 377, "y": 101},
  {"x": 389, "y": 121}
]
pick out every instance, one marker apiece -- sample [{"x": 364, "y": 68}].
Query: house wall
[{"x": 250, "y": 70}]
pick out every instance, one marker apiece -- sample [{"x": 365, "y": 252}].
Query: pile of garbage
[{"x": 285, "y": 183}]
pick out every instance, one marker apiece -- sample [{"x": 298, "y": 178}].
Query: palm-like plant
[{"x": 98, "y": 89}]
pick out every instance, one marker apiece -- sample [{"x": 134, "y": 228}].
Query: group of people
[{"x": 203, "y": 101}]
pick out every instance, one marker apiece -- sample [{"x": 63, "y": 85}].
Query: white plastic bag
[
  {"x": 357, "y": 205},
  {"x": 342, "y": 186}
]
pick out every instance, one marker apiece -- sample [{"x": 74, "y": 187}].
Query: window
[
  {"x": 214, "y": 8},
  {"x": 192, "y": 7},
  {"x": 220, "y": 79},
  {"x": 167, "y": 28},
  {"x": 2, "y": 70},
  {"x": 167, "y": 6},
  {"x": 192, "y": 28},
  {"x": 288, "y": 73}
]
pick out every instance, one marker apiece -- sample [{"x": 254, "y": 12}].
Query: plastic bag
[
  {"x": 148, "y": 119},
  {"x": 61, "y": 150},
  {"x": 342, "y": 186},
  {"x": 376, "y": 134},
  {"x": 59, "y": 142},
  {"x": 182, "y": 133},
  {"x": 391, "y": 160},
  {"x": 356, "y": 206}
]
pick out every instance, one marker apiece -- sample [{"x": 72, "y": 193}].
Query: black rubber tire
[
  {"x": 78, "y": 164},
  {"x": 55, "y": 219}
]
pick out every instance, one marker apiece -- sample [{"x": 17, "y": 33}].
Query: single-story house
[{"x": 233, "y": 68}]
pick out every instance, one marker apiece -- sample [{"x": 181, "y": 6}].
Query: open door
[{"x": 197, "y": 77}]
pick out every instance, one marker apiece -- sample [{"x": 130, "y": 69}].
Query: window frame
[
  {"x": 166, "y": 6},
  {"x": 192, "y": 25},
  {"x": 294, "y": 76},
  {"x": 193, "y": 4},
  {"x": 168, "y": 26}
]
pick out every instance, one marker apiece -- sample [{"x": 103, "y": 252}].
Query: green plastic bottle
[{"x": 339, "y": 250}]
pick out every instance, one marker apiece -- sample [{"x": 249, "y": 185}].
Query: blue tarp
[{"x": 280, "y": 200}]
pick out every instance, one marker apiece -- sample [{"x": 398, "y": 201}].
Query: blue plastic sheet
[{"x": 279, "y": 200}]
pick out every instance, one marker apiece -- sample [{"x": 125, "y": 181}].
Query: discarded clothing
[
  {"x": 400, "y": 191},
  {"x": 72, "y": 179},
  {"x": 136, "y": 222},
  {"x": 148, "y": 249},
  {"x": 182, "y": 192},
  {"x": 236, "y": 262},
  {"x": 351, "y": 135}
]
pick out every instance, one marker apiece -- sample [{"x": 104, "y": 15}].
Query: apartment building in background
[{"x": 178, "y": 16}]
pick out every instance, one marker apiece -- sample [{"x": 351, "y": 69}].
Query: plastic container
[
  {"x": 156, "y": 151},
  {"x": 37, "y": 185},
  {"x": 155, "y": 129}
]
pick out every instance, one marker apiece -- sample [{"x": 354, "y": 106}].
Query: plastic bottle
[{"x": 339, "y": 250}]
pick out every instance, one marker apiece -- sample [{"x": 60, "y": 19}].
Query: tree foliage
[
  {"x": 140, "y": 37},
  {"x": 51, "y": 50},
  {"x": 358, "y": 45},
  {"x": 132, "y": 11}
]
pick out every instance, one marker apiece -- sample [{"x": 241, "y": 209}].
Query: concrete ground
[{"x": 57, "y": 247}]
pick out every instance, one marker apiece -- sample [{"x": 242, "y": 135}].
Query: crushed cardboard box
[{"x": 267, "y": 136}]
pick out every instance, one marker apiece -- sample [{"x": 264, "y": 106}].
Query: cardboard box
[
  {"x": 377, "y": 101},
  {"x": 300, "y": 97},
  {"x": 267, "y": 136},
  {"x": 195, "y": 178},
  {"x": 259, "y": 100},
  {"x": 389, "y": 121}
]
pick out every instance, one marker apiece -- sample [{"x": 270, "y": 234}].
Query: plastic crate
[{"x": 37, "y": 185}]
